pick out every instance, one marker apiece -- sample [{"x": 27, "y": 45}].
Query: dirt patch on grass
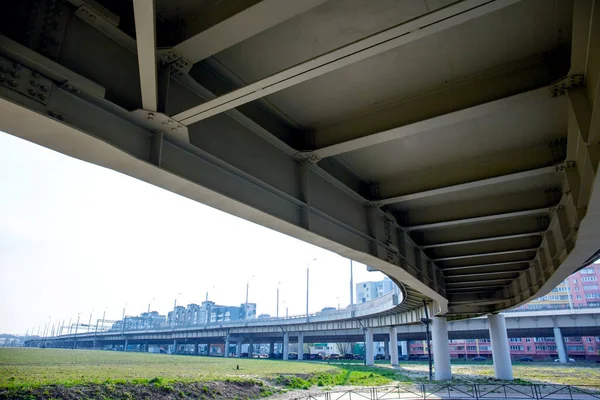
[{"x": 152, "y": 391}]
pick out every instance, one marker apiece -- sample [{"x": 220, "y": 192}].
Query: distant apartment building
[
  {"x": 367, "y": 291},
  {"x": 580, "y": 290},
  {"x": 209, "y": 312},
  {"x": 145, "y": 320}
]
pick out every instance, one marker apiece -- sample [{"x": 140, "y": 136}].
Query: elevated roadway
[
  {"x": 334, "y": 329},
  {"x": 452, "y": 145}
]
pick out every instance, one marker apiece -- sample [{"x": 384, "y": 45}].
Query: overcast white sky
[{"x": 78, "y": 238}]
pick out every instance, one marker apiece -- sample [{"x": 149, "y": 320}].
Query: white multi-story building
[{"x": 367, "y": 291}]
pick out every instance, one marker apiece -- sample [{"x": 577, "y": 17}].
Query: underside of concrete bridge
[{"x": 452, "y": 145}]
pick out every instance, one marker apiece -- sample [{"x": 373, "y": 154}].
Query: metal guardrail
[{"x": 464, "y": 391}]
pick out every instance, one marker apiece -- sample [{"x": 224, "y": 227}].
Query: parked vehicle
[
  {"x": 292, "y": 356},
  {"x": 479, "y": 358},
  {"x": 348, "y": 356},
  {"x": 569, "y": 360},
  {"x": 244, "y": 355},
  {"x": 306, "y": 356},
  {"x": 358, "y": 357},
  {"x": 413, "y": 357},
  {"x": 380, "y": 357},
  {"x": 525, "y": 359},
  {"x": 403, "y": 357},
  {"x": 423, "y": 358},
  {"x": 334, "y": 356}
]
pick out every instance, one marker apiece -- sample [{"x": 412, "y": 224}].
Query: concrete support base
[
  {"x": 286, "y": 345},
  {"x": 500, "y": 347},
  {"x": 560, "y": 345},
  {"x": 394, "y": 346},
  {"x": 125, "y": 345},
  {"x": 196, "y": 348},
  {"x": 250, "y": 349},
  {"x": 386, "y": 349},
  {"x": 300, "y": 346},
  {"x": 226, "y": 349},
  {"x": 238, "y": 349},
  {"x": 271, "y": 348},
  {"x": 441, "y": 349},
  {"x": 404, "y": 347},
  {"x": 174, "y": 346},
  {"x": 369, "y": 359}
]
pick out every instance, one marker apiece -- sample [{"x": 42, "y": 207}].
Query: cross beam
[{"x": 388, "y": 39}]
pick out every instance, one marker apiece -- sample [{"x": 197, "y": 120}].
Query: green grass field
[
  {"x": 26, "y": 371},
  {"x": 34, "y": 367}
]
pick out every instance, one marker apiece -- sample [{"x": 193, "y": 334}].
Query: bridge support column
[
  {"x": 369, "y": 359},
  {"x": 394, "y": 346},
  {"x": 386, "y": 349},
  {"x": 196, "y": 348},
  {"x": 238, "y": 348},
  {"x": 226, "y": 349},
  {"x": 300, "y": 346},
  {"x": 174, "y": 346},
  {"x": 125, "y": 345},
  {"x": 441, "y": 349},
  {"x": 250, "y": 349},
  {"x": 271, "y": 348},
  {"x": 560, "y": 345},
  {"x": 286, "y": 345},
  {"x": 404, "y": 347},
  {"x": 500, "y": 347}
]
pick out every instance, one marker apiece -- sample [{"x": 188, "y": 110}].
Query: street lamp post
[
  {"x": 75, "y": 335},
  {"x": 351, "y": 286},
  {"x": 247, "y": 290},
  {"x": 307, "y": 280},
  {"x": 123, "y": 319},
  {"x": 277, "y": 314},
  {"x": 90, "y": 322},
  {"x": 148, "y": 315},
  {"x": 175, "y": 311}
]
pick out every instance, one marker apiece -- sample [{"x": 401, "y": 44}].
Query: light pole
[
  {"x": 123, "y": 319},
  {"x": 148, "y": 315},
  {"x": 75, "y": 335},
  {"x": 247, "y": 290},
  {"x": 351, "y": 286},
  {"x": 307, "y": 279},
  {"x": 175, "y": 310},
  {"x": 70, "y": 326},
  {"x": 338, "y": 301},
  {"x": 277, "y": 314},
  {"x": 286, "y": 309},
  {"x": 90, "y": 322}
]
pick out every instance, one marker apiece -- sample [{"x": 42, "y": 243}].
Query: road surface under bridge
[{"x": 452, "y": 145}]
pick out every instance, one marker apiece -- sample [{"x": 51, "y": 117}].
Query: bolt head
[
  {"x": 44, "y": 88},
  {"x": 15, "y": 74},
  {"x": 3, "y": 69},
  {"x": 42, "y": 97},
  {"x": 17, "y": 66},
  {"x": 34, "y": 83},
  {"x": 35, "y": 74},
  {"x": 32, "y": 92},
  {"x": 13, "y": 83}
]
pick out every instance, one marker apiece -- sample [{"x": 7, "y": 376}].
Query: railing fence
[{"x": 464, "y": 391}]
